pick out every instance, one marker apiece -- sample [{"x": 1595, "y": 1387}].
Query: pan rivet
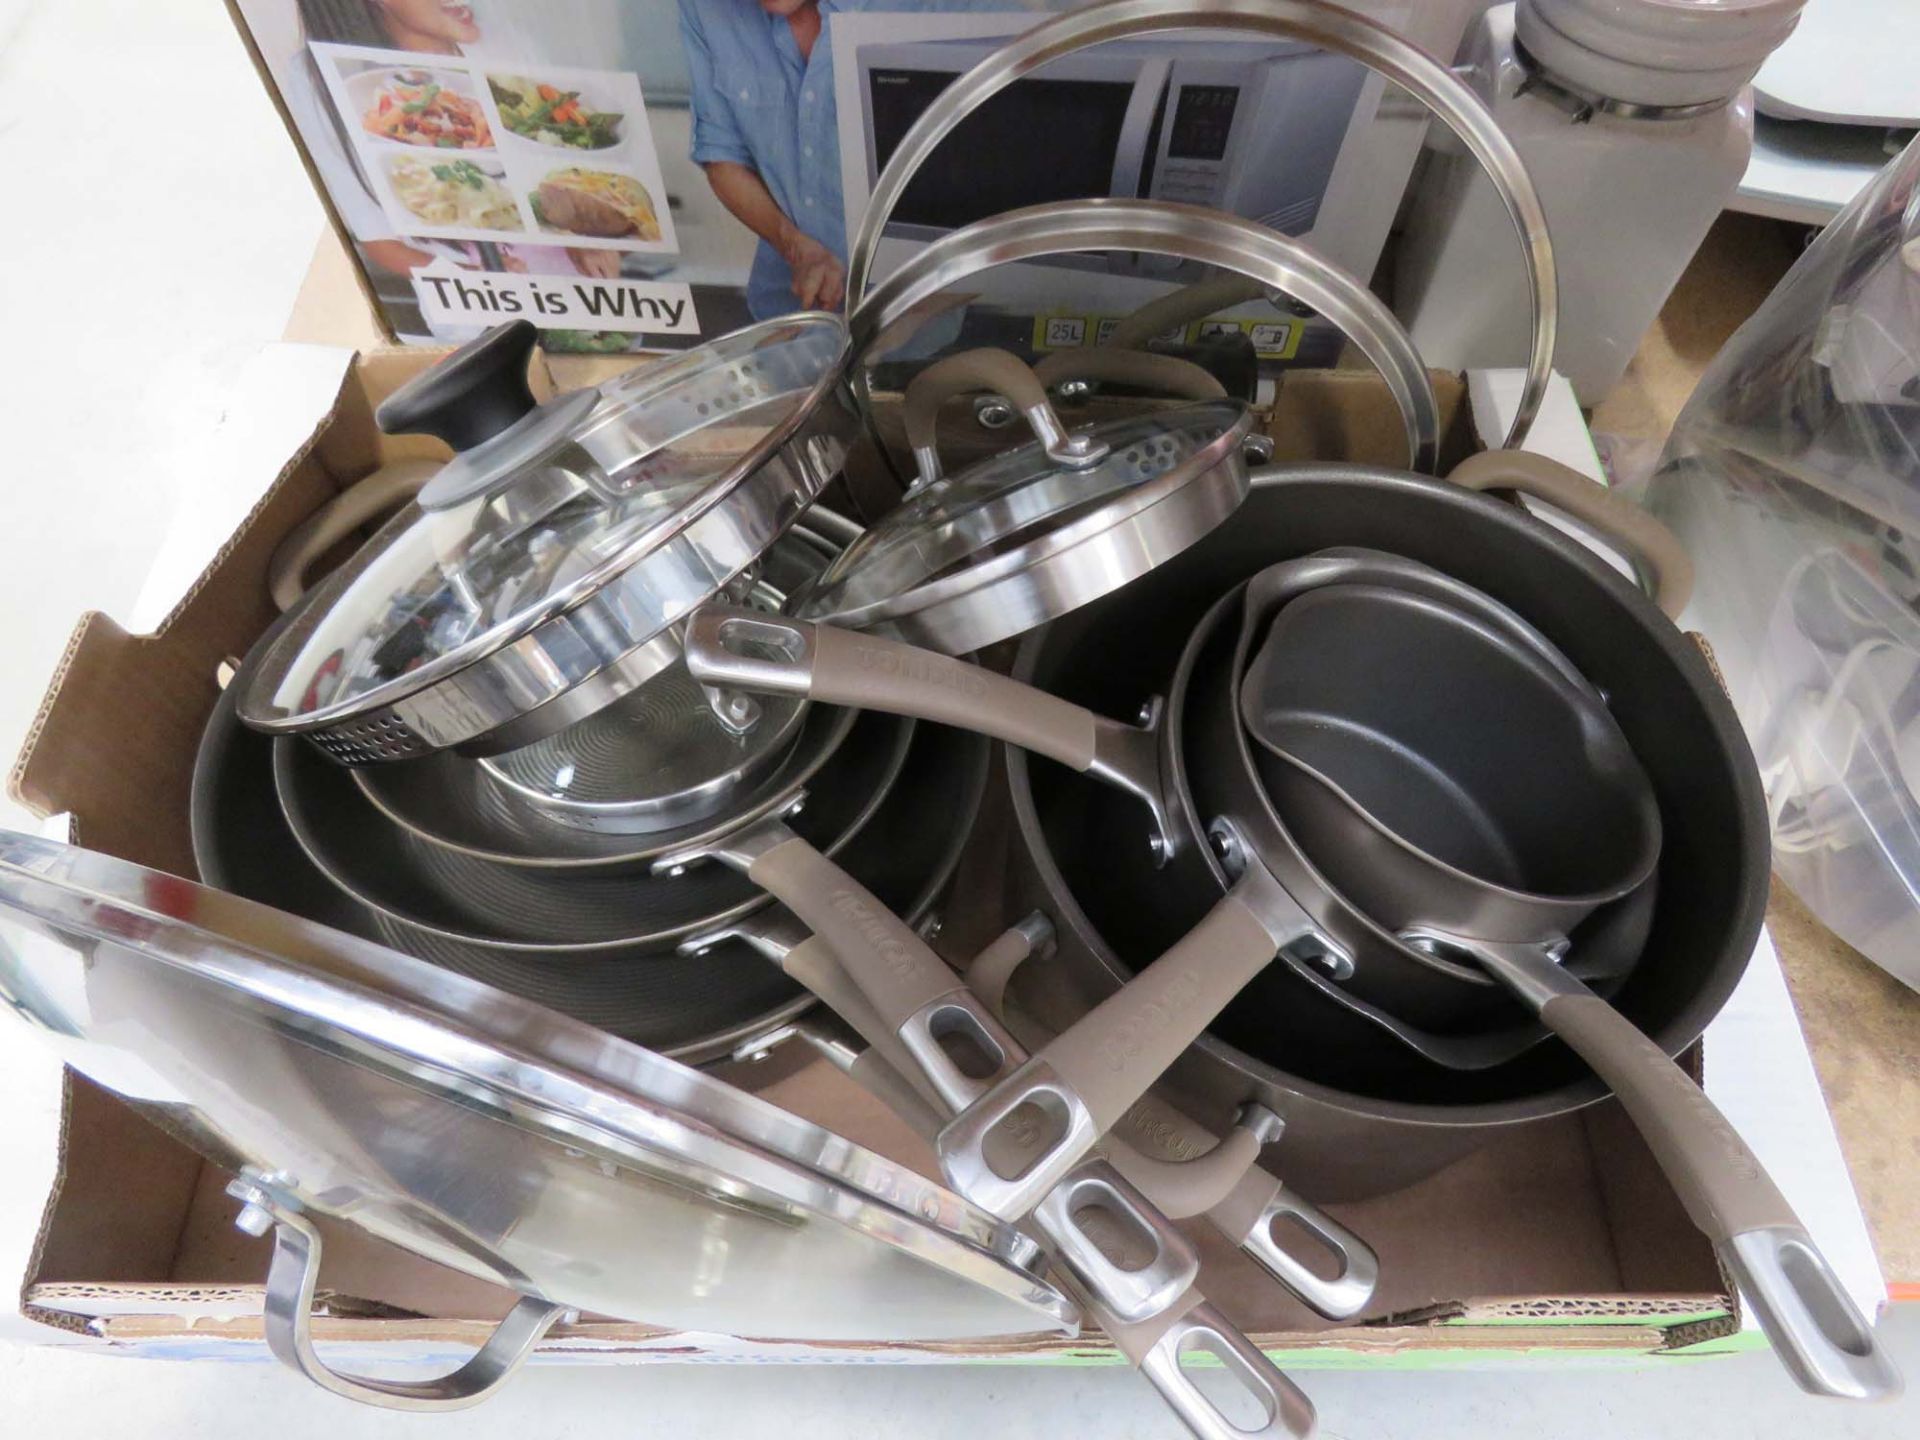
[
  {"x": 1157, "y": 847},
  {"x": 674, "y": 872},
  {"x": 254, "y": 1220},
  {"x": 1337, "y": 966},
  {"x": 1226, "y": 844},
  {"x": 993, "y": 412}
]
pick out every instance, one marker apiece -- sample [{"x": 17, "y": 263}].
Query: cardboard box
[{"x": 1563, "y": 1243}]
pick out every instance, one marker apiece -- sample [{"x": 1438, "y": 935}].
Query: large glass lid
[
  {"x": 1022, "y": 538},
  {"x": 646, "y": 495},
  {"x": 486, "y": 1133}
]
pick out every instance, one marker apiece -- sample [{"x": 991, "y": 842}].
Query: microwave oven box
[{"x": 1560, "y": 1245}]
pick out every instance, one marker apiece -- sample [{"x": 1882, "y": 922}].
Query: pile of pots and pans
[{"x": 1348, "y": 801}]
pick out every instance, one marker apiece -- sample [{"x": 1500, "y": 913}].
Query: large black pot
[{"x": 1364, "y": 1114}]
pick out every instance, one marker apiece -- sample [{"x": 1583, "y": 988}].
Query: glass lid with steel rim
[
  {"x": 544, "y": 570},
  {"x": 483, "y": 1132},
  {"x": 1020, "y": 539}
]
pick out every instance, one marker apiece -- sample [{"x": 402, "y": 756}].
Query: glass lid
[
  {"x": 486, "y": 1133},
  {"x": 1021, "y": 538},
  {"x": 543, "y": 508},
  {"x": 672, "y": 750}
]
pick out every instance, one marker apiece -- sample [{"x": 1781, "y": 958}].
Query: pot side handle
[
  {"x": 292, "y": 1276},
  {"x": 975, "y": 370},
  {"x": 1613, "y": 516}
]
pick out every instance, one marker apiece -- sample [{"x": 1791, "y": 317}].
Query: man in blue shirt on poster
[{"x": 765, "y": 131}]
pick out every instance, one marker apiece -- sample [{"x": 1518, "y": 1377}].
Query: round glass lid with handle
[
  {"x": 1022, "y": 538},
  {"x": 483, "y": 1132},
  {"x": 545, "y": 569}
]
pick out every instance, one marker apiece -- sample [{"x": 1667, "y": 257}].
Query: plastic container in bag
[{"x": 1793, "y": 476}]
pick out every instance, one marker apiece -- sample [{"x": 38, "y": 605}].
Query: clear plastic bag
[{"x": 1793, "y": 477}]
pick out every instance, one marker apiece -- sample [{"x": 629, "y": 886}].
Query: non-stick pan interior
[
  {"x": 1449, "y": 736},
  {"x": 1712, "y": 877},
  {"x": 687, "y": 1006}
]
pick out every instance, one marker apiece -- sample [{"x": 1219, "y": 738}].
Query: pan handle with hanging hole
[
  {"x": 1820, "y": 1336},
  {"x": 1091, "y": 1074},
  {"x": 1133, "y": 1269},
  {"x": 733, "y": 648},
  {"x": 1249, "y": 1210}
]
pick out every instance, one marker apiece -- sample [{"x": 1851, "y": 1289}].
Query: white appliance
[{"x": 1251, "y": 127}]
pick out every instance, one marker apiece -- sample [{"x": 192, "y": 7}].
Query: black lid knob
[{"x": 470, "y": 396}]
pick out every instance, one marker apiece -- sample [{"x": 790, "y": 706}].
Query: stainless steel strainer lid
[
  {"x": 1025, "y": 537},
  {"x": 544, "y": 571}
]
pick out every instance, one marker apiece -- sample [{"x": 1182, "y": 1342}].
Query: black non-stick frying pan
[{"x": 694, "y": 1008}]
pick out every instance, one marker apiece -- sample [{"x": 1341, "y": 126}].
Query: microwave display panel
[
  {"x": 1036, "y": 141},
  {"x": 1202, "y": 120}
]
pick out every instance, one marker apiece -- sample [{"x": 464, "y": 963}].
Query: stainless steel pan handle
[
  {"x": 1184, "y": 232},
  {"x": 1341, "y": 31}
]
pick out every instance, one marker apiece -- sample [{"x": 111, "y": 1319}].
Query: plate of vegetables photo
[
  {"x": 425, "y": 108},
  {"x": 453, "y": 193},
  {"x": 562, "y": 117}
]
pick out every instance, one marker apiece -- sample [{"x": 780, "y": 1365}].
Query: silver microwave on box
[{"x": 1253, "y": 127}]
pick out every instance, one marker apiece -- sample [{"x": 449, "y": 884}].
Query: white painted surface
[
  {"x": 141, "y": 414},
  {"x": 1849, "y": 62}
]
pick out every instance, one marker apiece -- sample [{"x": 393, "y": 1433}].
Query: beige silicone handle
[
  {"x": 871, "y": 672},
  {"x": 1719, "y": 1180},
  {"x": 894, "y": 968},
  {"x": 1143, "y": 369},
  {"x": 1819, "y": 1334},
  {"x": 385, "y": 489},
  {"x": 954, "y": 1041},
  {"x": 1613, "y": 516},
  {"x": 971, "y": 370},
  {"x": 1183, "y": 306},
  {"x": 1129, "y": 1040},
  {"x": 1185, "y": 1170},
  {"x": 813, "y": 964}
]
